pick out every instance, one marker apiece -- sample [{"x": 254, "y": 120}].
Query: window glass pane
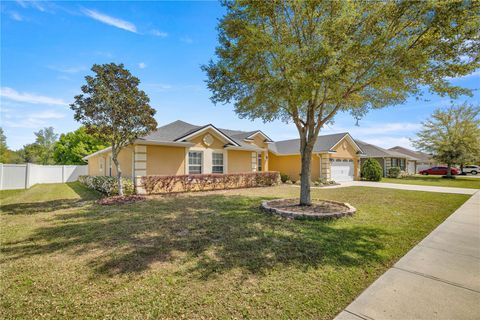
[
  {"x": 195, "y": 169},
  {"x": 195, "y": 162},
  {"x": 259, "y": 162},
  {"x": 217, "y": 169},
  {"x": 217, "y": 162},
  {"x": 217, "y": 159}
]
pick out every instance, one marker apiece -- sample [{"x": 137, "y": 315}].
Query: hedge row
[
  {"x": 107, "y": 185},
  {"x": 203, "y": 182}
]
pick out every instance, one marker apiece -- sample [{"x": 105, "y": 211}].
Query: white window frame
[
  {"x": 201, "y": 165},
  {"x": 259, "y": 162},
  {"x": 218, "y": 165}
]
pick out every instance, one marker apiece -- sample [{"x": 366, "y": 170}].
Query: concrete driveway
[{"x": 405, "y": 187}]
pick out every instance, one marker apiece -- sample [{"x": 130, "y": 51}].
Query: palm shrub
[{"x": 371, "y": 170}]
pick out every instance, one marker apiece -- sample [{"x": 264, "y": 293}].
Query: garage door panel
[{"x": 342, "y": 170}]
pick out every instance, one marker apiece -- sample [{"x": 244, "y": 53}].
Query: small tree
[
  {"x": 73, "y": 146},
  {"x": 304, "y": 61},
  {"x": 371, "y": 170},
  {"x": 451, "y": 135},
  {"x": 114, "y": 108},
  {"x": 44, "y": 143},
  {"x": 29, "y": 153},
  {"x": 4, "y": 151}
]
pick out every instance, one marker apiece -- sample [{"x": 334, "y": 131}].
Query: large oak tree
[
  {"x": 114, "y": 108},
  {"x": 305, "y": 61}
]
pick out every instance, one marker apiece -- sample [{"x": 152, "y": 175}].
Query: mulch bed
[
  {"x": 120, "y": 200},
  {"x": 289, "y": 208}
]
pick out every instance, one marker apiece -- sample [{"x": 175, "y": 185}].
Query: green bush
[
  {"x": 393, "y": 172},
  {"x": 284, "y": 177},
  {"x": 371, "y": 170},
  {"x": 107, "y": 185}
]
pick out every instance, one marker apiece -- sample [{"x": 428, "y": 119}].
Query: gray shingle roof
[
  {"x": 176, "y": 130},
  {"x": 171, "y": 131},
  {"x": 416, "y": 154},
  {"x": 373, "y": 151},
  {"x": 323, "y": 144}
]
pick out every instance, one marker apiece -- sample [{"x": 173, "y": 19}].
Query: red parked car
[{"x": 439, "y": 171}]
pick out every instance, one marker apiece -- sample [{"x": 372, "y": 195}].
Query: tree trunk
[
  {"x": 119, "y": 174},
  {"x": 449, "y": 170},
  {"x": 305, "y": 177}
]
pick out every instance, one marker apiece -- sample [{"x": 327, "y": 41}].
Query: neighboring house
[
  {"x": 424, "y": 160},
  {"x": 182, "y": 148},
  {"x": 335, "y": 157},
  {"x": 388, "y": 158}
]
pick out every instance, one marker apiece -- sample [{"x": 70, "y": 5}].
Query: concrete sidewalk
[
  {"x": 438, "y": 279},
  {"x": 404, "y": 187}
]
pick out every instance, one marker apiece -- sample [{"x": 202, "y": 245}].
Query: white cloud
[
  {"x": 375, "y": 129},
  {"x": 186, "y": 39},
  {"x": 31, "y": 4},
  {"x": 160, "y": 86},
  {"x": 476, "y": 73},
  {"x": 21, "y": 3},
  {"x": 32, "y": 120},
  {"x": 11, "y": 94},
  {"x": 142, "y": 65},
  {"x": 159, "y": 33},
  {"x": 15, "y": 16},
  {"x": 112, "y": 21},
  {"x": 74, "y": 69},
  {"x": 42, "y": 6},
  {"x": 389, "y": 142}
]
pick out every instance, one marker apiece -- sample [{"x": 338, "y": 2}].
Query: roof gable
[
  {"x": 177, "y": 131},
  {"x": 206, "y": 128},
  {"x": 324, "y": 143}
]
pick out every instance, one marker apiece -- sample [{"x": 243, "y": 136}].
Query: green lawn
[
  {"x": 458, "y": 182},
  {"x": 212, "y": 255}
]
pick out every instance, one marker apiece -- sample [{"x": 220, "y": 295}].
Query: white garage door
[
  {"x": 411, "y": 167},
  {"x": 342, "y": 170}
]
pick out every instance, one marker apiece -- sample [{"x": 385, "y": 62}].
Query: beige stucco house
[
  {"x": 180, "y": 148},
  {"x": 388, "y": 158}
]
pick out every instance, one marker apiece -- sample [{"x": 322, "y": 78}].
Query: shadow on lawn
[
  {"x": 29, "y": 208},
  {"x": 207, "y": 235}
]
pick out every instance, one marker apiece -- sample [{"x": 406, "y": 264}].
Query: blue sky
[{"x": 48, "y": 47}]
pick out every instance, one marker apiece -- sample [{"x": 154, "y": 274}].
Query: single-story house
[
  {"x": 424, "y": 160},
  {"x": 182, "y": 148},
  {"x": 335, "y": 157},
  {"x": 388, "y": 158}
]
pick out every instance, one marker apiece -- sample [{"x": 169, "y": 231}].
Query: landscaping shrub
[
  {"x": 284, "y": 177},
  {"x": 393, "y": 172},
  {"x": 107, "y": 185},
  {"x": 203, "y": 182},
  {"x": 404, "y": 174},
  {"x": 371, "y": 170}
]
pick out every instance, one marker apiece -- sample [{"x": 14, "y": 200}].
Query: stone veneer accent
[
  {"x": 388, "y": 165},
  {"x": 349, "y": 210},
  {"x": 140, "y": 167},
  {"x": 325, "y": 170}
]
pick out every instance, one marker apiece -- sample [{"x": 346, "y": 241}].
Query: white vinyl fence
[{"x": 23, "y": 176}]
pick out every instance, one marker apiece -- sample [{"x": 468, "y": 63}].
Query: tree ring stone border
[{"x": 268, "y": 206}]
